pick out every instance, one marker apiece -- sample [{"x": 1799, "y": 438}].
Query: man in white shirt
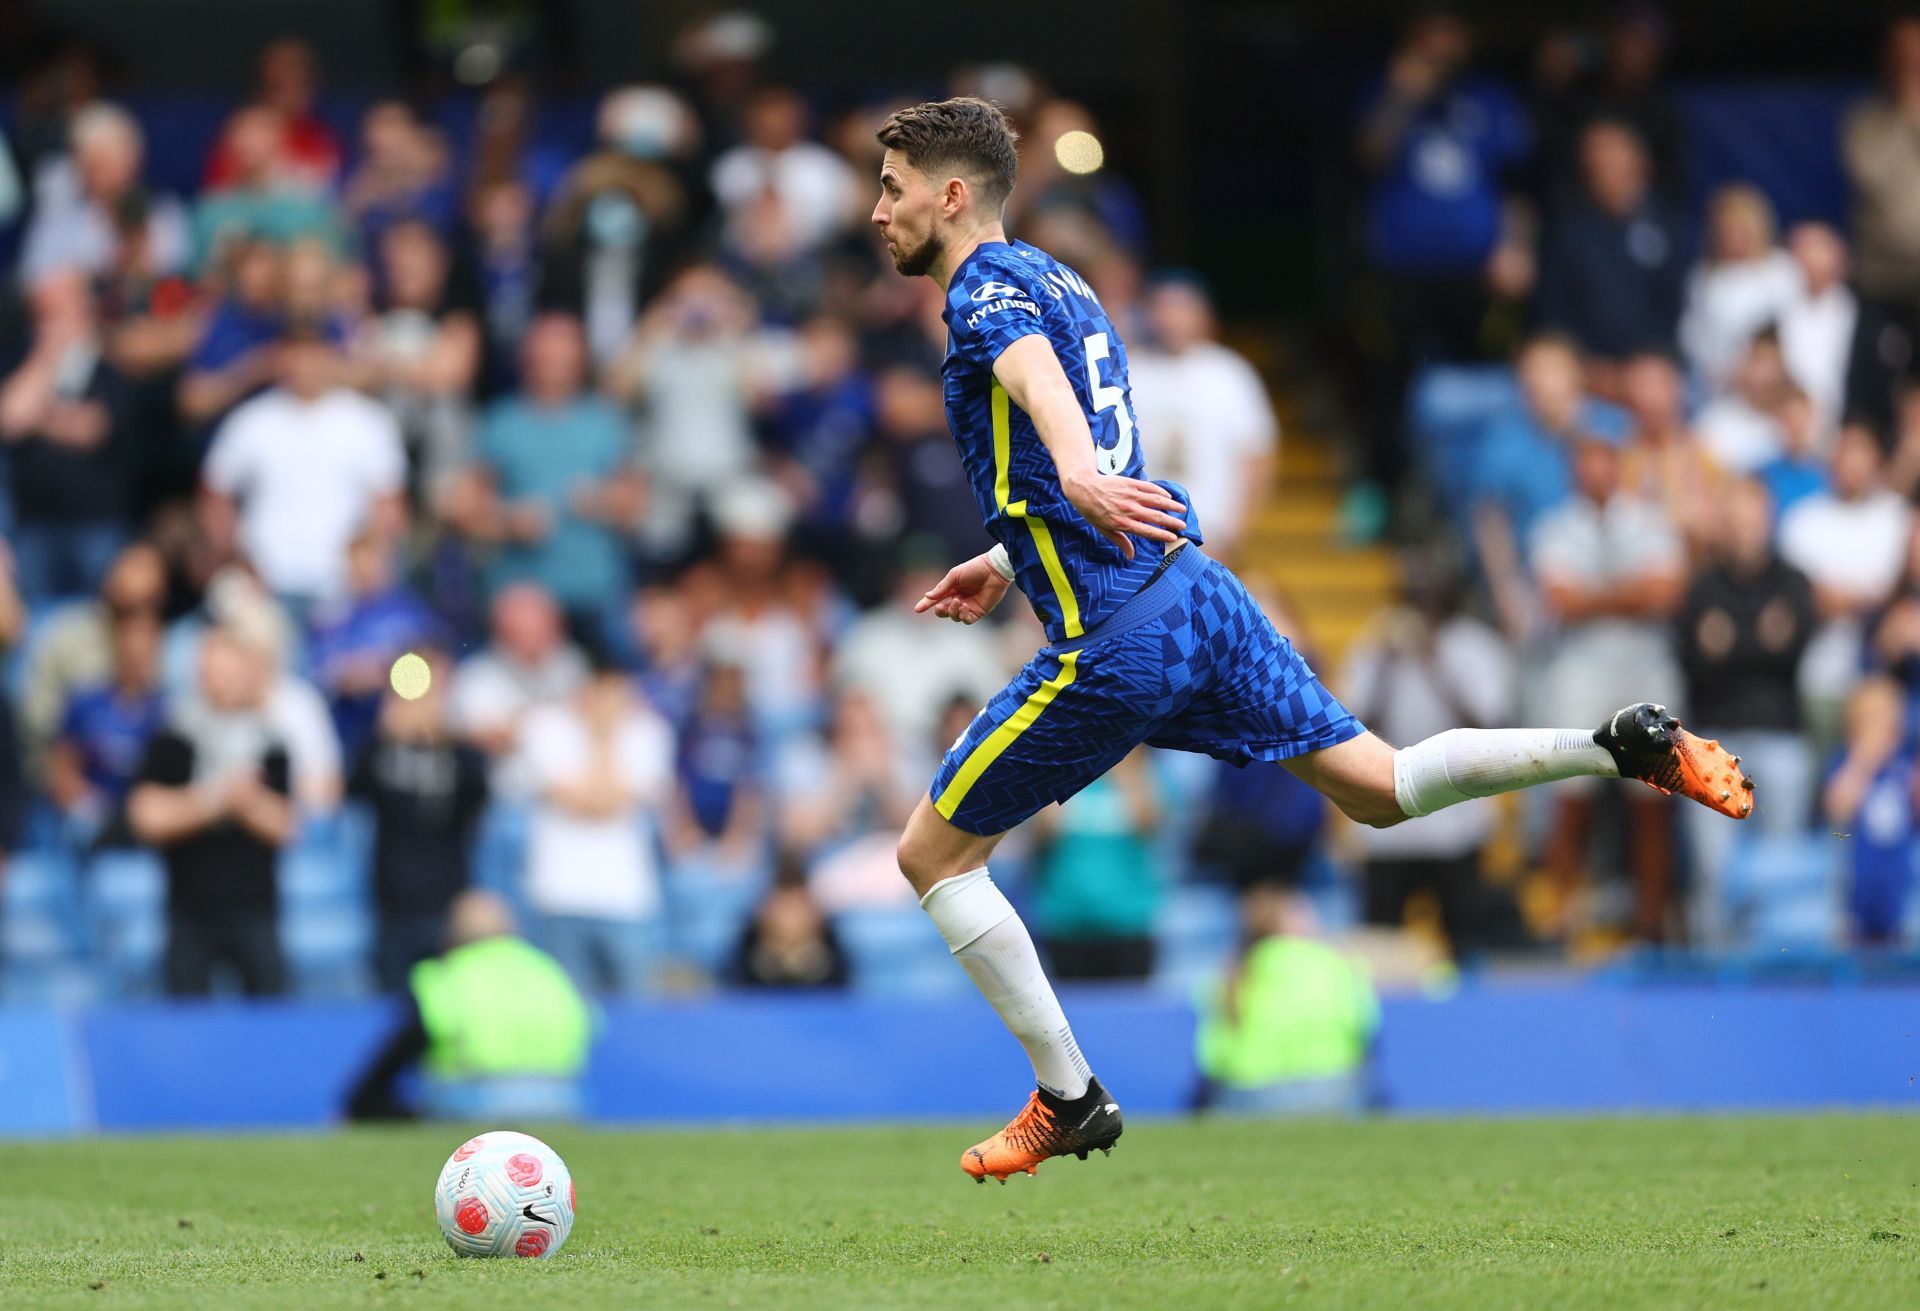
[
  {"x": 1205, "y": 412},
  {"x": 295, "y": 472},
  {"x": 1851, "y": 543},
  {"x": 1611, "y": 571},
  {"x": 778, "y": 181},
  {"x": 1817, "y": 325},
  {"x": 527, "y": 663},
  {"x": 601, "y": 765}
]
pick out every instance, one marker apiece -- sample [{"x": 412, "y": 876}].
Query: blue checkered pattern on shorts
[{"x": 1211, "y": 675}]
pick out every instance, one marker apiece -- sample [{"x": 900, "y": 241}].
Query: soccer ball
[{"x": 504, "y": 1194}]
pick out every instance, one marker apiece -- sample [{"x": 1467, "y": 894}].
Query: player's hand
[
  {"x": 1123, "y": 508},
  {"x": 967, "y": 594}
]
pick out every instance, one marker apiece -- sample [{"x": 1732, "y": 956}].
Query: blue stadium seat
[
  {"x": 1784, "y": 890},
  {"x": 126, "y": 909},
  {"x": 37, "y": 921},
  {"x": 326, "y": 918},
  {"x": 704, "y": 915},
  {"x": 896, "y": 952},
  {"x": 1198, "y": 931}
]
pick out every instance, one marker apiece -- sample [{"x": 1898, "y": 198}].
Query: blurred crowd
[
  {"x": 637, "y": 453},
  {"x": 1675, "y": 456}
]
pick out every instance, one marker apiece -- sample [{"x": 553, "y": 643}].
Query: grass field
[{"x": 1711, "y": 1213}]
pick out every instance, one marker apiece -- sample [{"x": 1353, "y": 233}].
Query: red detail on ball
[
  {"x": 469, "y": 1147},
  {"x": 524, "y": 1169},
  {"x": 533, "y": 1243},
  {"x": 470, "y": 1215},
  {"x": 570, "y": 1205}
]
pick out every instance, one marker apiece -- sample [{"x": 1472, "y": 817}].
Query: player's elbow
[{"x": 1374, "y": 813}]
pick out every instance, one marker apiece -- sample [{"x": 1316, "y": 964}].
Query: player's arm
[{"x": 1120, "y": 507}]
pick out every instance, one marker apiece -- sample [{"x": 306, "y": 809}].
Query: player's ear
[{"x": 954, "y": 198}]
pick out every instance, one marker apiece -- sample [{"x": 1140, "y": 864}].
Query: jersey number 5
[{"x": 1115, "y": 458}]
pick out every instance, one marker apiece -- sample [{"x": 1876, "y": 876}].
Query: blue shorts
[{"x": 1191, "y": 662}]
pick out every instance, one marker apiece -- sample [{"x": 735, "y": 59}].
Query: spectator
[
  {"x": 1049, "y": 187},
  {"x": 1612, "y": 267},
  {"x": 1524, "y": 463},
  {"x": 552, "y": 486},
  {"x": 1424, "y": 667},
  {"x": 1097, "y": 890},
  {"x": 1818, "y": 325},
  {"x": 357, "y": 637},
  {"x": 404, "y": 174},
  {"x": 915, "y": 482},
  {"x": 1624, "y": 87},
  {"x": 910, "y": 670},
  {"x": 307, "y": 154},
  {"x": 1800, "y": 470},
  {"x": 1435, "y": 140},
  {"x": 1745, "y": 283},
  {"x": 1870, "y": 799},
  {"x": 527, "y": 663},
  {"x": 104, "y": 732},
  {"x": 1666, "y": 464},
  {"x": 295, "y": 472},
  {"x": 1851, "y": 543},
  {"x": 1740, "y": 428},
  {"x": 777, "y": 180},
  {"x": 1882, "y": 160},
  {"x": 74, "y": 649},
  {"x": 820, "y": 426},
  {"x": 1290, "y": 1028},
  {"x": 234, "y": 356},
  {"x": 1611, "y": 571},
  {"x": 495, "y": 1025},
  {"x": 82, "y": 203},
  {"x": 421, "y": 352},
  {"x": 506, "y": 253},
  {"x": 601, "y": 765},
  {"x": 1743, "y": 628},
  {"x": 696, "y": 364},
  {"x": 790, "y": 942},
  {"x": 1205, "y": 410},
  {"x": 68, "y": 417},
  {"x": 213, "y": 796},
  {"x": 623, "y": 217},
  {"x": 777, "y": 648},
  {"x": 720, "y": 803},
  {"x": 425, "y": 790},
  {"x": 849, "y": 786},
  {"x": 259, "y": 203}
]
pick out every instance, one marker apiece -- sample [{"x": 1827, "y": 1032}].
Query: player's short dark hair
[{"x": 966, "y": 135}]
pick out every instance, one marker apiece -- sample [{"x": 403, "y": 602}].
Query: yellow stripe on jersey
[
  {"x": 1001, "y": 738},
  {"x": 1042, "y": 535},
  {"x": 1050, "y": 560},
  {"x": 1002, "y": 444}
]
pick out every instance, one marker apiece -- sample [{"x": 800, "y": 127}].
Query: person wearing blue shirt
[
  {"x": 105, "y": 729},
  {"x": 1437, "y": 141},
  {"x": 356, "y": 639},
  {"x": 553, "y": 486},
  {"x": 1525, "y": 464}
]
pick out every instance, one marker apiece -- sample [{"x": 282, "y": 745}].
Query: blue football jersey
[{"x": 1002, "y": 292}]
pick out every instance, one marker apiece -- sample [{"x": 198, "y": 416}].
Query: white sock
[
  {"x": 985, "y": 934},
  {"x": 1451, "y": 767}
]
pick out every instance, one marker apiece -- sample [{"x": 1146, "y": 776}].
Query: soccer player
[{"x": 1148, "y": 640}]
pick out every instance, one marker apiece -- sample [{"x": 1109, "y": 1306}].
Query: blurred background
[{"x": 1525, "y": 366}]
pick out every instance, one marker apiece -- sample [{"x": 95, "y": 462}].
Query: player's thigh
[
  {"x": 1356, "y": 775},
  {"x": 1062, "y": 721}
]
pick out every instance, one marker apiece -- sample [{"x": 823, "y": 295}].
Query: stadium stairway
[{"x": 1292, "y": 549}]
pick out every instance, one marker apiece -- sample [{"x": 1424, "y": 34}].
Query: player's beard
[{"x": 917, "y": 260}]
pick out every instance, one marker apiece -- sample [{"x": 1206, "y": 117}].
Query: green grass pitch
[{"x": 1565, "y": 1214}]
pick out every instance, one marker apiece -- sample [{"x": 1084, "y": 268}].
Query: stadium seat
[
  {"x": 1199, "y": 928},
  {"x": 37, "y": 923},
  {"x": 1783, "y": 892},
  {"x": 126, "y": 905},
  {"x": 705, "y": 912},
  {"x": 895, "y": 952}
]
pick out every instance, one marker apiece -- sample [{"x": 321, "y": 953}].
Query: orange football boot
[
  {"x": 1046, "y": 1126},
  {"x": 1647, "y": 743}
]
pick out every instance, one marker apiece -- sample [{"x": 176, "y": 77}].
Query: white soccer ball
[{"x": 504, "y": 1194}]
